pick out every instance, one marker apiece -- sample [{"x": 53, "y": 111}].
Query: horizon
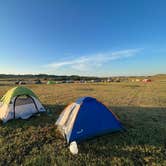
[
  {"x": 122, "y": 38},
  {"x": 159, "y": 74}
]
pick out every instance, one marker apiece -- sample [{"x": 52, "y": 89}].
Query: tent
[
  {"x": 85, "y": 119},
  {"x": 147, "y": 80},
  {"x": 19, "y": 102},
  {"x": 38, "y": 81},
  {"x": 50, "y": 82}
]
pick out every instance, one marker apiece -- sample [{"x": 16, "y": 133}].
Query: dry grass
[{"x": 141, "y": 107}]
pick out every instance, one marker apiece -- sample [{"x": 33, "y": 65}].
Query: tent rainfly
[
  {"x": 85, "y": 119},
  {"x": 19, "y": 102}
]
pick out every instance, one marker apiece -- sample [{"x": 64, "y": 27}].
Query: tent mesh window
[
  {"x": 24, "y": 105},
  {"x": 23, "y": 100}
]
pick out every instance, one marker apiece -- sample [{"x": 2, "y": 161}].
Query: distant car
[
  {"x": 21, "y": 83},
  {"x": 98, "y": 80},
  {"x": 38, "y": 82},
  {"x": 117, "y": 80},
  {"x": 147, "y": 80},
  {"x": 17, "y": 82},
  {"x": 82, "y": 81},
  {"x": 109, "y": 80},
  {"x": 69, "y": 81}
]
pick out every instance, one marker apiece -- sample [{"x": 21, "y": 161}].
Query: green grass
[{"x": 141, "y": 108}]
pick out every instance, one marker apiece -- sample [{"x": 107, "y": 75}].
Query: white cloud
[{"x": 90, "y": 62}]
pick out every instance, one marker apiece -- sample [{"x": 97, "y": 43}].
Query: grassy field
[{"x": 141, "y": 108}]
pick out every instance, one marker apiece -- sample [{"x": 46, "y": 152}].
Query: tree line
[{"x": 48, "y": 77}]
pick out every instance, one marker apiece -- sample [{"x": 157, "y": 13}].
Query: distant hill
[{"x": 160, "y": 75}]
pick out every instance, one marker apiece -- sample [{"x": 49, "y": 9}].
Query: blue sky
[{"x": 83, "y": 37}]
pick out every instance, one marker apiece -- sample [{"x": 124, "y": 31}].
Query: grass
[{"x": 141, "y": 108}]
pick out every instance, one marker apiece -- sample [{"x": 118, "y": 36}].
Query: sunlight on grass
[{"x": 141, "y": 108}]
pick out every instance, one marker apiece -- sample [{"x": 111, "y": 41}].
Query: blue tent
[{"x": 87, "y": 118}]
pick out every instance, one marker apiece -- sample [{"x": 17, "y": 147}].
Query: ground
[{"x": 141, "y": 107}]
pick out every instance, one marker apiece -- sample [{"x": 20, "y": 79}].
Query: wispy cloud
[{"x": 85, "y": 63}]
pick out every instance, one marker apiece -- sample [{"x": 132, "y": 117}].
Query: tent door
[{"x": 24, "y": 106}]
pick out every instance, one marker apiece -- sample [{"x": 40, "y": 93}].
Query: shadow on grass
[
  {"x": 143, "y": 143},
  {"x": 150, "y": 121}
]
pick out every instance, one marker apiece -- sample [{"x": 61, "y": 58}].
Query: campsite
[
  {"x": 139, "y": 106},
  {"x": 82, "y": 83}
]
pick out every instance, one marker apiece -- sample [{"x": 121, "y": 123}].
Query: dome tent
[
  {"x": 147, "y": 80},
  {"x": 50, "y": 82},
  {"x": 19, "y": 102},
  {"x": 85, "y": 119}
]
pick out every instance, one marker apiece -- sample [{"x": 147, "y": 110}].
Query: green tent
[
  {"x": 17, "y": 91},
  {"x": 50, "y": 82},
  {"x": 19, "y": 102}
]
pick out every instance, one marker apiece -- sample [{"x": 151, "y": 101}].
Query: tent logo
[{"x": 79, "y": 132}]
